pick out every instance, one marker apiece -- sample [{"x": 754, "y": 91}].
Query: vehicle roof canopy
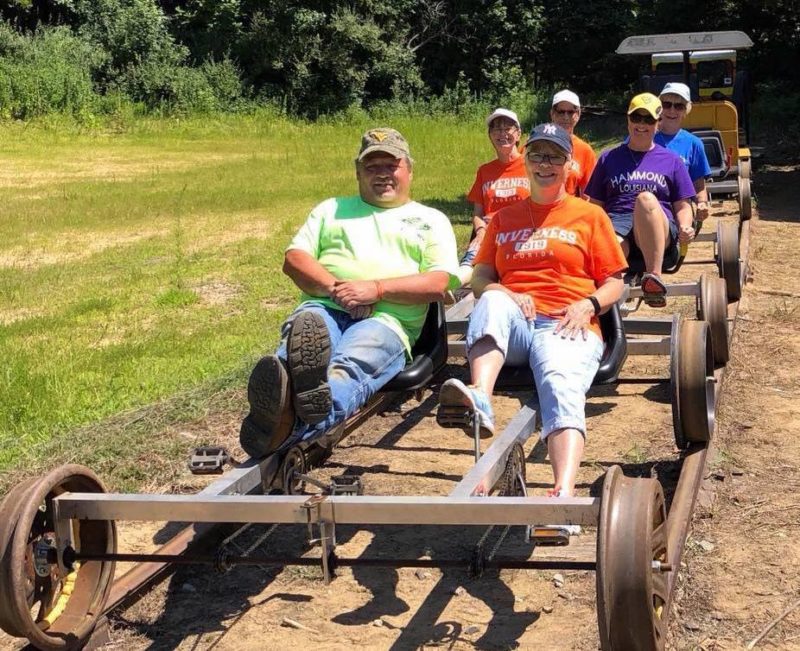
[
  {"x": 687, "y": 41},
  {"x": 706, "y": 55}
]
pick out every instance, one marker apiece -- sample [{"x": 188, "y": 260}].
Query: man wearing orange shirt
[{"x": 565, "y": 112}]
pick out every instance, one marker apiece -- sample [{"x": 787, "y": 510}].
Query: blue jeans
[
  {"x": 563, "y": 369},
  {"x": 365, "y": 355}
]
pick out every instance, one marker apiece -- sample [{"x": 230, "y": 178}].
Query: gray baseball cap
[{"x": 386, "y": 140}]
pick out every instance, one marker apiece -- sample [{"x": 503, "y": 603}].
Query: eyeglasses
[
  {"x": 640, "y": 118},
  {"x": 550, "y": 159},
  {"x": 506, "y": 129},
  {"x": 678, "y": 106},
  {"x": 564, "y": 112}
]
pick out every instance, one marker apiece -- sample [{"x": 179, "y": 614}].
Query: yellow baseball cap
[{"x": 647, "y": 102}]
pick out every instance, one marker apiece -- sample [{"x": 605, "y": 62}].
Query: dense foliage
[{"x": 312, "y": 57}]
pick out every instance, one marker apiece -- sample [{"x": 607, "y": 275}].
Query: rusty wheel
[
  {"x": 632, "y": 591},
  {"x": 9, "y": 507},
  {"x": 728, "y": 263},
  {"x": 744, "y": 168},
  {"x": 712, "y": 307},
  {"x": 293, "y": 462},
  {"x": 745, "y": 199},
  {"x": 692, "y": 383},
  {"x": 54, "y": 609}
]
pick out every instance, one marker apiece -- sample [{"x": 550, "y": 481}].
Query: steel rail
[{"x": 690, "y": 479}]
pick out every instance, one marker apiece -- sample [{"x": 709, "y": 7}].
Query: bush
[
  {"x": 773, "y": 103},
  {"x": 214, "y": 86},
  {"x": 46, "y": 72}
]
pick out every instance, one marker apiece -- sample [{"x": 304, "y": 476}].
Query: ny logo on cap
[{"x": 550, "y": 129}]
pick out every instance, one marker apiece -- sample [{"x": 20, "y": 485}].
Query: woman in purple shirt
[{"x": 645, "y": 189}]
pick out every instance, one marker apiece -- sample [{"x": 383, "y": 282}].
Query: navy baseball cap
[{"x": 552, "y": 133}]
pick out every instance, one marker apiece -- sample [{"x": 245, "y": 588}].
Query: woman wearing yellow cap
[{"x": 645, "y": 189}]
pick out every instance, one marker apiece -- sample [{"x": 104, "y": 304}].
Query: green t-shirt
[{"x": 357, "y": 241}]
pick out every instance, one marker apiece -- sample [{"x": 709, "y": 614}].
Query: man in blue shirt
[{"x": 676, "y": 105}]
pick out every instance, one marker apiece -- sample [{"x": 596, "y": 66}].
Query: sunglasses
[
  {"x": 562, "y": 112},
  {"x": 678, "y": 106},
  {"x": 639, "y": 118},
  {"x": 550, "y": 159}
]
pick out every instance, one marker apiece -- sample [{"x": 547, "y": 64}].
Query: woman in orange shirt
[
  {"x": 546, "y": 269},
  {"x": 498, "y": 183}
]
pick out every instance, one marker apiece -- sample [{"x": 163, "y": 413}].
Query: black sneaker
[
  {"x": 271, "y": 417},
  {"x": 309, "y": 352}
]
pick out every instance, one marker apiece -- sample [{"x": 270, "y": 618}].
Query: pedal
[
  {"x": 208, "y": 460},
  {"x": 455, "y": 416},
  {"x": 346, "y": 485},
  {"x": 548, "y": 536}
]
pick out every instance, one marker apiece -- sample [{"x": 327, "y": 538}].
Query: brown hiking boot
[
  {"x": 271, "y": 417},
  {"x": 308, "y": 350}
]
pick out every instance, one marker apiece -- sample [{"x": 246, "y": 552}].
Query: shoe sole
[
  {"x": 653, "y": 298},
  {"x": 269, "y": 422},
  {"x": 453, "y": 395},
  {"x": 309, "y": 353}
]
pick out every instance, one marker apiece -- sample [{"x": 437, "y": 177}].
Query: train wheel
[
  {"x": 632, "y": 591},
  {"x": 745, "y": 199},
  {"x": 8, "y": 518},
  {"x": 692, "y": 383},
  {"x": 54, "y": 609},
  {"x": 294, "y": 462},
  {"x": 744, "y": 168},
  {"x": 712, "y": 307},
  {"x": 728, "y": 262}
]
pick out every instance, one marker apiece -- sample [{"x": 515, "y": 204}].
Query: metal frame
[{"x": 227, "y": 500}]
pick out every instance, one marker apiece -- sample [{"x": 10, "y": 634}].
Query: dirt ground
[{"x": 739, "y": 570}]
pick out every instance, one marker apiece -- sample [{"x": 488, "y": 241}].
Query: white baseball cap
[
  {"x": 566, "y": 96},
  {"x": 677, "y": 88},
  {"x": 503, "y": 113}
]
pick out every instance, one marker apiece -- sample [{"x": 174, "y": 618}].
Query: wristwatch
[{"x": 595, "y": 304}]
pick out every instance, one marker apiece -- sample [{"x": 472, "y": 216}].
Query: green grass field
[{"x": 139, "y": 265}]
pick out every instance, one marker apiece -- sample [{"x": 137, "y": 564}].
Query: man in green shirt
[{"x": 367, "y": 267}]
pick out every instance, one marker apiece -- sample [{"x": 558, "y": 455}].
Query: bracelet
[
  {"x": 379, "y": 288},
  {"x": 595, "y": 304}
]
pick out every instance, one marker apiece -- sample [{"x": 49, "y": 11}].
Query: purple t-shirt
[{"x": 621, "y": 174}]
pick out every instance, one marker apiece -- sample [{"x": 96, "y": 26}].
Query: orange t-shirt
[
  {"x": 583, "y": 162},
  {"x": 498, "y": 185},
  {"x": 558, "y": 253}
]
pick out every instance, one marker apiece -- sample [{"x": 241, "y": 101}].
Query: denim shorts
[
  {"x": 563, "y": 369},
  {"x": 623, "y": 226}
]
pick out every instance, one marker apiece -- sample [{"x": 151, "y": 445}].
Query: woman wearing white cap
[
  {"x": 676, "y": 104},
  {"x": 565, "y": 112},
  {"x": 498, "y": 183}
]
